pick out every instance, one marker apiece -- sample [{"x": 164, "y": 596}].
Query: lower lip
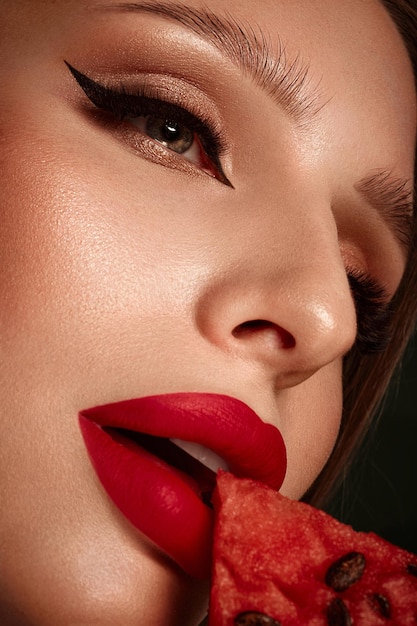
[{"x": 155, "y": 498}]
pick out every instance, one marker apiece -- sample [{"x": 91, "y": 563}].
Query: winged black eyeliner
[{"x": 122, "y": 104}]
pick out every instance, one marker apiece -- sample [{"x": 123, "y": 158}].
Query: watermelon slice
[{"x": 278, "y": 562}]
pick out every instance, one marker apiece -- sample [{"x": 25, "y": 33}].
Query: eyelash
[
  {"x": 122, "y": 104},
  {"x": 371, "y": 301},
  {"x": 373, "y": 312}
]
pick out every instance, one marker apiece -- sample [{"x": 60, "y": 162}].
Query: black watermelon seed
[
  {"x": 338, "y": 614},
  {"x": 380, "y": 604},
  {"x": 412, "y": 569},
  {"x": 252, "y": 618},
  {"x": 345, "y": 571}
]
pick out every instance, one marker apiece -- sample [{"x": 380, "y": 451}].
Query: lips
[{"x": 160, "y": 489}]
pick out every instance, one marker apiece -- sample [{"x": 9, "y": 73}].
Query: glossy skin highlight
[{"x": 124, "y": 276}]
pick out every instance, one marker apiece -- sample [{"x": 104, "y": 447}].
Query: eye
[
  {"x": 169, "y": 125},
  {"x": 168, "y": 132},
  {"x": 171, "y": 134},
  {"x": 373, "y": 313}
]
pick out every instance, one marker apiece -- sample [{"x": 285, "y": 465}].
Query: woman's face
[{"x": 205, "y": 251}]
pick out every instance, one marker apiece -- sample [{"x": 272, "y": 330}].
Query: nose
[{"x": 283, "y": 303}]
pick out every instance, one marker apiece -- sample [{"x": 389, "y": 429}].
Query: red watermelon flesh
[{"x": 281, "y": 562}]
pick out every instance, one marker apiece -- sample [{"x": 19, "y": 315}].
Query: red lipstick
[{"x": 165, "y": 498}]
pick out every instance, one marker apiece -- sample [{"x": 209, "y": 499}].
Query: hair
[{"x": 366, "y": 377}]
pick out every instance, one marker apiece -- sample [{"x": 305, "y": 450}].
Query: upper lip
[{"x": 251, "y": 447}]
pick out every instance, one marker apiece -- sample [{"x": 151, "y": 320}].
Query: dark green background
[{"x": 380, "y": 492}]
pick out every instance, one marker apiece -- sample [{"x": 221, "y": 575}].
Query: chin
[{"x": 92, "y": 589}]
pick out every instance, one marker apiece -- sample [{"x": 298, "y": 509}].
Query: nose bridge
[{"x": 282, "y": 298}]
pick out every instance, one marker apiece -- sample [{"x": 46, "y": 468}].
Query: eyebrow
[
  {"x": 287, "y": 82},
  {"x": 392, "y": 198}
]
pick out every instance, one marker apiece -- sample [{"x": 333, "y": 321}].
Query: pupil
[
  {"x": 171, "y": 131},
  {"x": 172, "y": 134}
]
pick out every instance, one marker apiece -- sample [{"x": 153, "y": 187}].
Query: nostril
[{"x": 252, "y": 328}]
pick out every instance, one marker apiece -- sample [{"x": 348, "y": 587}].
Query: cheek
[
  {"x": 310, "y": 427},
  {"x": 74, "y": 271}
]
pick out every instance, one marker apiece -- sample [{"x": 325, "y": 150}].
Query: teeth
[{"x": 208, "y": 458}]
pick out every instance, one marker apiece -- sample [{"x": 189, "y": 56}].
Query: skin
[{"x": 123, "y": 277}]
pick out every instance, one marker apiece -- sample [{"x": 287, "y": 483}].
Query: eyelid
[
  {"x": 171, "y": 89},
  {"x": 171, "y": 96}
]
